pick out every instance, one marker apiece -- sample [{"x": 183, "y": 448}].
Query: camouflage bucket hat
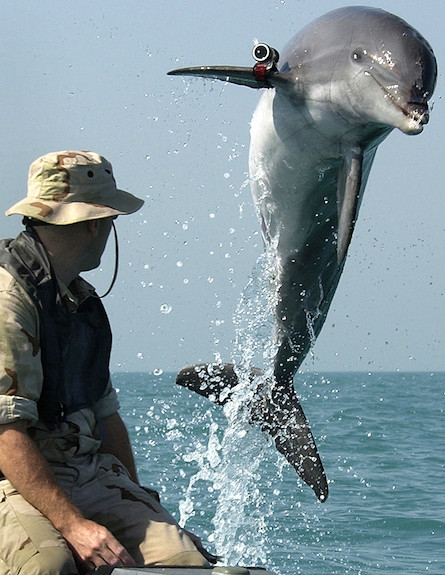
[{"x": 72, "y": 186}]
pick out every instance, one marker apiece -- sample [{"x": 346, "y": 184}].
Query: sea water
[{"x": 381, "y": 439}]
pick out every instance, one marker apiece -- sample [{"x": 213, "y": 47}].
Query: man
[{"x": 69, "y": 494}]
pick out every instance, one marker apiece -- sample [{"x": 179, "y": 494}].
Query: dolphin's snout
[
  {"x": 417, "y": 111},
  {"x": 414, "y": 107},
  {"x": 423, "y": 117},
  {"x": 418, "y": 115}
]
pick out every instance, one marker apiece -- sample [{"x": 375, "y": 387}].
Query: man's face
[{"x": 99, "y": 231}]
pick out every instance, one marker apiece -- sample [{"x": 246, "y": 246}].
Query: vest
[{"x": 75, "y": 346}]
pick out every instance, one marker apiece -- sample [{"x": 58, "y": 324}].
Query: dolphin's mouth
[
  {"x": 417, "y": 112},
  {"x": 417, "y": 115}
]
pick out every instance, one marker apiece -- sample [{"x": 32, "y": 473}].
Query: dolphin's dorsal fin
[{"x": 348, "y": 195}]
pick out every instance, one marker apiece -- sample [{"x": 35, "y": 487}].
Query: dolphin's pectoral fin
[
  {"x": 280, "y": 414},
  {"x": 277, "y": 412},
  {"x": 348, "y": 194}
]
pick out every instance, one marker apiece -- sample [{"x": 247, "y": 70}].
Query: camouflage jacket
[{"x": 21, "y": 375}]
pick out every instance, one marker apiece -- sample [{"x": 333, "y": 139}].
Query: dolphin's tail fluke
[
  {"x": 214, "y": 381},
  {"x": 282, "y": 416},
  {"x": 276, "y": 410}
]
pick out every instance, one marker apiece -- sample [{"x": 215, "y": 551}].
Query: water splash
[
  {"x": 255, "y": 316},
  {"x": 233, "y": 463},
  {"x": 207, "y": 457},
  {"x": 239, "y": 536}
]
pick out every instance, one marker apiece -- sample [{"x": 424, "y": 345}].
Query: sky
[{"x": 92, "y": 75}]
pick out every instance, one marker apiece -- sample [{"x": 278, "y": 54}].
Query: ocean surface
[{"x": 381, "y": 437}]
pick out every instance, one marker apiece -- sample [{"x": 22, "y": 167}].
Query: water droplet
[{"x": 165, "y": 308}]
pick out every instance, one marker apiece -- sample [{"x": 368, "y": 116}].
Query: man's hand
[
  {"x": 28, "y": 471},
  {"x": 93, "y": 545}
]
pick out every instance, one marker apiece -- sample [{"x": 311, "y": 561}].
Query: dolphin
[{"x": 340, "y": 86}]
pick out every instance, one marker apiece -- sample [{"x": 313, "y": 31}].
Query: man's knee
[{"x": 50, "y": 561}]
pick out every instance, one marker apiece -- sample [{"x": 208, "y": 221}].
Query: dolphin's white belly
[
  {"x": 294, "y": 178},
  {"x": 296, "y": 155}
]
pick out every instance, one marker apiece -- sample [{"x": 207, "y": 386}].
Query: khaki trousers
[{"x": 99, "y": 485}]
